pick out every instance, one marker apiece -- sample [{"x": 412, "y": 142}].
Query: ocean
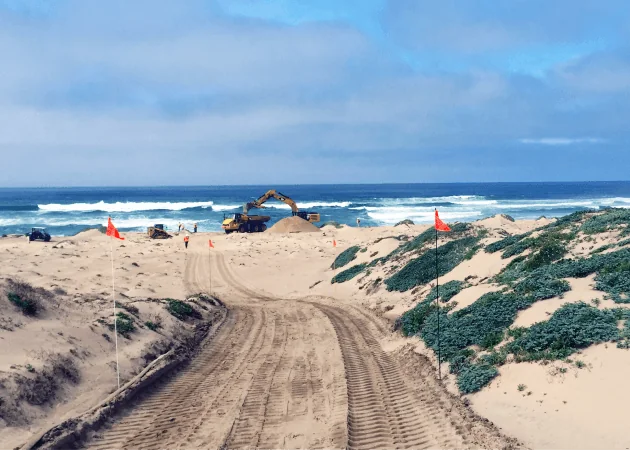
[{"x": 67, "y": 211}]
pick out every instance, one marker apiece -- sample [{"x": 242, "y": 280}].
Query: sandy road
[{"x": 283, "y": 373}]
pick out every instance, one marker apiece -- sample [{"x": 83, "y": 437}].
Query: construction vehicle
[
  {"x": 157, "y": 232},
  {"x": 258, "y": 203},
  {"x": 38, "y": 233},
  {"x": 244, "y": 223}
]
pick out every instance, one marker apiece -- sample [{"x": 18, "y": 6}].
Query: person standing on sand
[
  {"x": 186, "y": 238},
  {"x": 358, "y": 222},
  {"x": 195, "y": 227}
]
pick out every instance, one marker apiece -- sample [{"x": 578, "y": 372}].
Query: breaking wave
[{"x": 123, "y": 206}]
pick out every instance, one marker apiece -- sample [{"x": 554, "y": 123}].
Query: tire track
[
  {"x": 149, "y": 417},
  {"x": 382, "y": 411}
]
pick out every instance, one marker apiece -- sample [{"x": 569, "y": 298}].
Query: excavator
[{"x": 245, "y": 223}]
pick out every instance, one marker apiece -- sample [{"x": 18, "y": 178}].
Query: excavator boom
[{"x": 272, "y": 193}]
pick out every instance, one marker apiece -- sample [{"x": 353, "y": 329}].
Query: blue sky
[{"x": 267, "y": 92}]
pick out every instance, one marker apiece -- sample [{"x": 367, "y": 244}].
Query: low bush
[
  {"x": 42, "y": 388},
  {"x": 28, "y": 306},
  {"x": 127, "y": 307},
  {"x": 542, "y": 287},
  {"x": 349, "y": 274},
  {"x": 572, "y": 327},
  {"x": 506, "y": 242},
  {"x": 153, "y": 326},
  {"x": 612, "y": 218},
  {"x": 124, "y": 324},
  {"x": 412, "y": 321},
  {"x": 481, "y": 323},
  {"x": 181, "y": 310},
  {"x": 421, "y": 270},
  {"x": 30, "y": 300},
  {"x": 447, "y": 291},
  {"x": 460, "y": 360},
  {"x": 345, "y": 257},
  {"x": 475, "y": 376},
  {"x": 617, "y": 284},
  {"x": 405, "y": 222}
]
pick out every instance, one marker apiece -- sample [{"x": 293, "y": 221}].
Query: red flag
[
  {"x": 210, "y": 243},
  {"x": 334, "y": 243},
  {"x": 112, "y": 231},
  {"x": 439, "y": 225}
]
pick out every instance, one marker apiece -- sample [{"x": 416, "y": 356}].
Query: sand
[
  {"x": 301, "y": 362},
  {"x": 293, "y": 224}
]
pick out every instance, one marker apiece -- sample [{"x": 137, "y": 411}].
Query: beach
[{"x": 310, "y": 334}]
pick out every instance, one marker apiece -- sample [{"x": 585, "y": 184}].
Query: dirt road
[{"x": 282, "y": 373}]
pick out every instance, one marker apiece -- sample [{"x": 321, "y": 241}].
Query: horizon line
[{"x": 304, "y": 184}]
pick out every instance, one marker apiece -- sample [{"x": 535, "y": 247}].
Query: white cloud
[{"x": 562, "y": 141}]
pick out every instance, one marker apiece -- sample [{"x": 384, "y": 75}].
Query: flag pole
[
  {"x": 210, "y": 266},
  {"x": 111, "y": 248},
  {"x": 437, "y": 300}
]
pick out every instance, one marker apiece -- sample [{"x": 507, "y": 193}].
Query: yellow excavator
[{"x": 245, "y": 223}]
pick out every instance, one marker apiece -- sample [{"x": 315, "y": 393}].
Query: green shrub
[
  {"x": 521, "y": 387},
  {"x": 612, "y": 218},
  {"x": 413, "y": 320},
  {"x": 494, "y": 358},
  {"x": 349, "y": 274},
  {"x": 460, "y": 360},
  {"x": 124, "y": 324},
  {"x": 421, "y": 270},
  {"x": 481, "y": 322},
  {"x": 516, "y": 332},
  {"x": 181, "y": 310},
  {"x": 475, "y": 376},
  {"x": 345, "y": 257},
  {"x": 447, "y": 291},
  {"x": 127, "y": 307},
  {"x": 153, "y": 326},
  {"x": 550, "y": 251},
  {"x": 506, "y": 242},
  {"x": 28, "y": 306},
  {"x": 490, "y": 340},
  {"x": 542, "y": 287},
  {"x": 615, "y": 283},
  {"x": 405, "y": 222},
  {"x": 573, "y": 326}
]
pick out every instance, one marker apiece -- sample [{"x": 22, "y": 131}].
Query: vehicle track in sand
[
  {"x": 287, "y": 373},
  {"x": 262, "y": 381},
  {"x": 383, "y": 412}
]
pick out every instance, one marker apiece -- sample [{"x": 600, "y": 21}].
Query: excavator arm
[{"x": 272, "y": 193}]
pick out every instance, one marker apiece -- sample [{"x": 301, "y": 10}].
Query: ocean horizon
[{"x": 68, "y": 210}]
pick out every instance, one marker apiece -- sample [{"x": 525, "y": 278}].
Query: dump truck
[
  {"x": 157, "y": 232},
  {"x": 244, "y": 223}
]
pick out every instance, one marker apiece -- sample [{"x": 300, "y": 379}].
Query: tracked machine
[{"x": 245, "y": 223}]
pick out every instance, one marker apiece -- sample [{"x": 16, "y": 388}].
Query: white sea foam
[
  {"x": 123, "y": 206},
  {"x": 307, "y": 205},
  {"x": 391, "y": 215}
]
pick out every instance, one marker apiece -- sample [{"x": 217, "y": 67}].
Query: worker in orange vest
[{"x": 186, "y": 238}]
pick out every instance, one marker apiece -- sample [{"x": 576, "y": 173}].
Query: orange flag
[
  {"x": 334, "y": 243},
  {"x": 439, "y": 225},
  {"x": 112, "y": 231},
  {"x": 210, "y": 243}
]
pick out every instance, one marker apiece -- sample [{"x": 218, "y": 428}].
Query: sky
[{"x": 206, "y": 92}]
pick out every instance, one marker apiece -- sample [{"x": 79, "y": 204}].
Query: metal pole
[
  {"x": 111, "y": 248},
  {"x": 437, "y": 300}
]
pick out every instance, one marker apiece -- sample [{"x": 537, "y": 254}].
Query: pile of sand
[{"x": 293, "y": 224}]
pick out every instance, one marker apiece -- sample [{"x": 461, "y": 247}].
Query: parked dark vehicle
[{"x": 39, "y": 234}]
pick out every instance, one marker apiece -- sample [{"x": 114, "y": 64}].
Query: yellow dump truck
[{"x": 244, "y": 223}]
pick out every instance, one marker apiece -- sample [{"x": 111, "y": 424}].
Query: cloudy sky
[{"x": 149, "y": 92}]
